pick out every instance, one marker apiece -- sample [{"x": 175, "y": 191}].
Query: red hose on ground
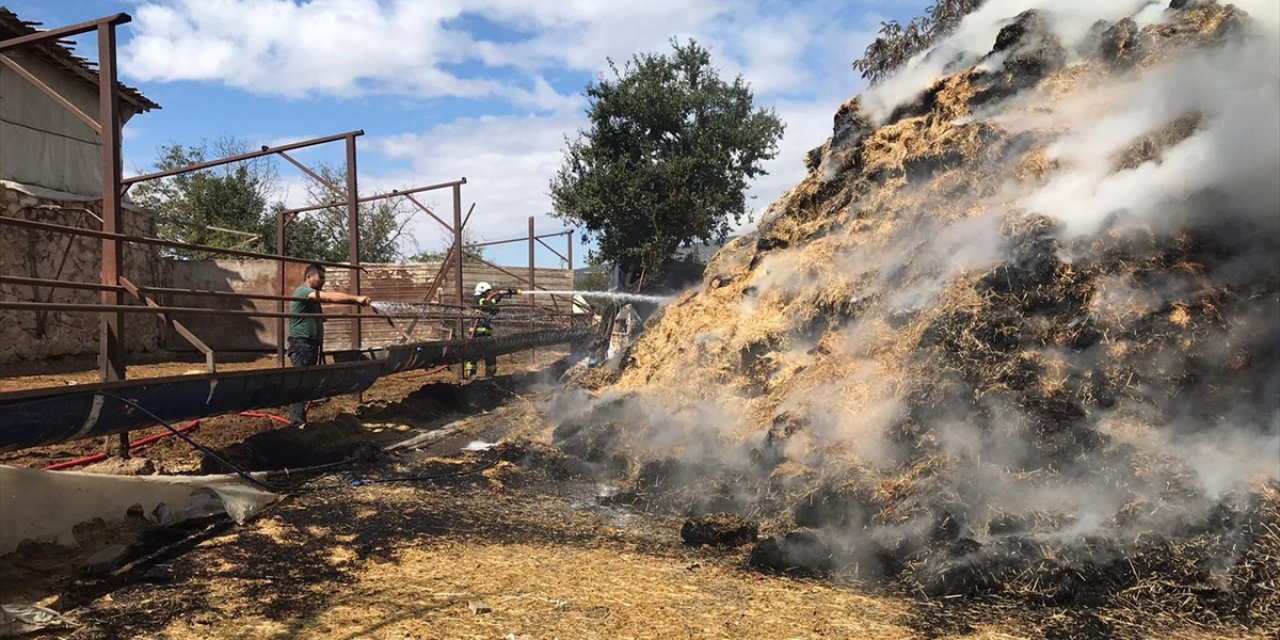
[
  {"x": 98, "y": 457},
  {"x": 255, "y": 414}
]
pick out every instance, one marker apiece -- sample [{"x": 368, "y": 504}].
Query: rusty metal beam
[
  {"x": 353, "y": 234},
  {"x": 378, "y": 196},
  {"x": 111, "y": 349},
  {"x": 435, "y": 285},
  {"x": 111, "y": 345},
  {"x": 53, "y": 35},
  {"x": 280, "y": 287},
  {"x": 105, "y": 235},
  {"x": 123, "y": 308},
  {"x": 307, "y": 170},
  {"x": 552, "y": 249},
  {"x": 59, "y": 284},
  {"x": 533, "y": 237},
  {"x": 427, "y": 210},
  {"x": 266, "y": 151},
  {"x": 182, "y": 330},
  {"x": 460, "y": 332},
  {"x": 476, "y": 245},
  {"x": 47, "y": 90},
  {"x": 503, "y": 270}
]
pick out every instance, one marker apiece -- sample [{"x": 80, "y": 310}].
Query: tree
[
  {"x": 666, "y": 160},
  {"x": 221, "y": 207},
  {"x": 322, "y": 234},
  {"x": 382, "y": 222},
  {"x": 898, "y": 43},
  {"x": 469, "y": 254}
]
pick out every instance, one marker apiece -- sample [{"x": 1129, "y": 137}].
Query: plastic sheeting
[
  {"x": 42, "y": 143},
  {"x": 44, "y": 506}
]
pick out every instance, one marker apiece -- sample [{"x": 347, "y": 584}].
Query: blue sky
[{"x": 485, "y": 89}]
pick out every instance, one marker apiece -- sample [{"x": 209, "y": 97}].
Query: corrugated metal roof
[{"x": 60, "y": 55}]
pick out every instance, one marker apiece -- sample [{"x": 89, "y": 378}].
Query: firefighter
[{"x": 486, "y": 300}]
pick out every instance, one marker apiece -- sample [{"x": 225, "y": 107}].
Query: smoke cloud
[{"x": 1052, "y": 317}]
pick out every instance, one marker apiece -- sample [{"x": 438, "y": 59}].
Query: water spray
[{"x": 610, "y": 295}]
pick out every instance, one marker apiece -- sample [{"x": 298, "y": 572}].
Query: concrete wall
[{"x": 28, "y": 335}]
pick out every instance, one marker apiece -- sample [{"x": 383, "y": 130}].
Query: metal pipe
[
  {"x": 59, "y": 284},
  {"x": 64, "y": 32},
  {"x": 97, "y": 308},
  {"x": 457, "y": 261},
  {"x": 110, "y": 325},
  {"x": 428, "y": 211},
  {"x": 533, "y": 237},
  {"x": 552, "y": 250},
  {"x": 378, "y": 196},
  {"x": 307, "y": 170},
  {"x": 111, "y": 340},
  {"x": 353, "y": 233},
  {"x": 280, "y": 287},
  {"x": 476, "y": 245},
  {"x": 266, "y": 151},
  {"x": 182, "y": 329},
  {"x": 77, "y": 231},
  {"x": 94, "y": 286}
]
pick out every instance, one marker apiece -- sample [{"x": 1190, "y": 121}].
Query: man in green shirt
[{"x": 306, "y": 335}]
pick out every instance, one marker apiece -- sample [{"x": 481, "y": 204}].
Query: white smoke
[
  {"x": 854, "y": 395},
  {"x": 974, "y": 36},
  {"x": 1234, "y": 88}
]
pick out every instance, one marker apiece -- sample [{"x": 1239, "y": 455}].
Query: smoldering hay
[{"x": 1015, "y": 333}]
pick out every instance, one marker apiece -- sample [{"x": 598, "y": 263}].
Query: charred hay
[{"x": 961, "y": 398}]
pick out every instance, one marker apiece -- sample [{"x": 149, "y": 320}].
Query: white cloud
[
  {"x": 508, "y": 162},
  {"x": 796, "y": 56}
]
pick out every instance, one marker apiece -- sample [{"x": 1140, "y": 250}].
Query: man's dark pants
[{"x": 302, "y": 353}]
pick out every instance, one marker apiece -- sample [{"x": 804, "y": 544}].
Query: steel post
[
  {"x": 353, "y": 235},
  {"x": 110, "y": 337},
  {"x": 460, "y": 333},
  {"x": 573, "y": 277},
  {"x": 533, "y": 237},
  {"x": 280, "y": 287}
]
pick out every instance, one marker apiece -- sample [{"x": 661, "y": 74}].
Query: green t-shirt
[{"x": 309, "y": 328}]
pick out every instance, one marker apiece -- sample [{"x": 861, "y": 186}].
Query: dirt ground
[{"x": 488, "y": 544}]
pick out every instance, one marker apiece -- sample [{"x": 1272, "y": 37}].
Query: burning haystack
[{"x": 1017, "y": 333}]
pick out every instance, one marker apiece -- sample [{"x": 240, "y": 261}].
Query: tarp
[{"x": 44, "y": 506}]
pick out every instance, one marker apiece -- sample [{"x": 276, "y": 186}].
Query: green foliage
[
  {"x": 898, "y": 43},
  {"x": 221, "y": 207},
  {"x": 666, "y": 160},
  {"x": 235, "y": 206},
  {"x": 382, "y": 223}
]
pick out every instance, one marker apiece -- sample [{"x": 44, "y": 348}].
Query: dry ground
[{"x": 493, "y": 544}]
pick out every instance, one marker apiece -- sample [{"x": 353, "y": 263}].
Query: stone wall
[{"x": 33, "y": 335}]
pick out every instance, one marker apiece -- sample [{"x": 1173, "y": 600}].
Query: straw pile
[{"x": 945, "y": 391}]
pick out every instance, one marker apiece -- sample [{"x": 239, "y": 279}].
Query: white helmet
[{"x": 483, "y": 288}]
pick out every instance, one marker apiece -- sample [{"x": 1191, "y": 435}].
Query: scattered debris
[
  {"x": 720, "y": 530},
  {"x": 797, "y": 554},
  {"x": 21, "y": 619},
  {"x": 107, "y": 559}
]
